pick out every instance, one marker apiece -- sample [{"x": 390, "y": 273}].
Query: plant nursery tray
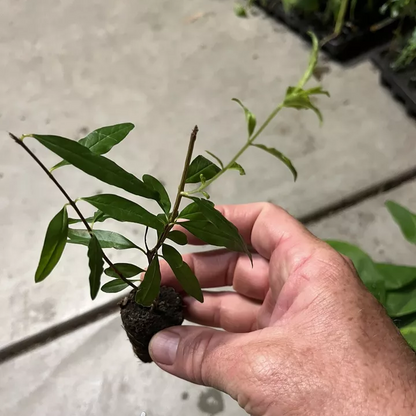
[
  {"x": 352, "y": 42},
  {"x": 402, "y": 84}
]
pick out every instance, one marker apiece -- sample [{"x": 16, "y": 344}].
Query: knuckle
[{"x": 196, "y": 352}]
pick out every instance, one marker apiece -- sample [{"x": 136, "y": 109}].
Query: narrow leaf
[
  {"x": 201, "y": 166},
  {"x": 124, "y": 210},
  {"x": 313, "y": 60},
  {"x": 216, "y": 158},
  {"x": 215, "y": 229},
  {"x": 114, "y": 286},
  {"x": 172, "y": 256},
  {"x": 192, "y": 212},
  {"x": 300, "y": 99},
  {"x": 95, "y": 165},
  {"x": 53, "y": 246},
  {"x": 126, "y": 269},
  {"x": 183, "y": 272},
  {"x": 405, "y": 219},
  {"x": 102, "y": 140},
  {"x": 98, "y": 216},
  {"x": 150, "y": 286},
  {"x": 178, "y": 237},
  {"x": 280, "y": 156},
  {"x": 238, "y": 167},
  {"x": 107, "y": 239},
  {"x": 96, "y": 262},
  {"x": 250, "y": 117},
  {"x": 163, "y": 200}
]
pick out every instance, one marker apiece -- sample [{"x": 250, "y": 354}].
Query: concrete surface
[
  {"x": 70, "y": 66},
  {"x": 92, "y": 371},
  {"x": 370, "y": 226}
]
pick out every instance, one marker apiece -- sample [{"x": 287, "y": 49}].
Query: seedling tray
[
  {"x": 352, "y": 42},
  {"x": 399, "y": 83}
]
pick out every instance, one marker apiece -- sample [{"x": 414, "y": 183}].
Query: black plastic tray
[
  {"x": 398, "y": 82},
  {"x": 348, "y": 45}
]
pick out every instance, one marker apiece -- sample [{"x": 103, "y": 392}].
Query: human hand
[{"x": 302, "y": 334}]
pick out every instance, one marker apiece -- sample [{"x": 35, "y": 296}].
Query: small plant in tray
[
  {"x": 397, "y": 61},
  {"x": 346, "y": 28}
]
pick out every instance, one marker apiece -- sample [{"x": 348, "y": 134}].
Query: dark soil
[{"x": 141, "y": 323}]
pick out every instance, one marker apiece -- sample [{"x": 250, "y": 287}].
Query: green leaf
[
  {"x": 107, "y": 239},
  {"x": 192, "y": 212},
  {"x": 53, "y": 246},
  {"x": 178, "y": 237},
  {"x": 96, "y": 263},
  {"x": 239, "y": 10},
  {"x": 365, "y": 267},
  {"x": 95, "y": 165},
  {"x": 183, "y": 272},
  {"x": 313, "y": 60},
  {"x": 238, "y": 167},
  {"x": 98, "y": 216},
  {"x": 409, "y": 333},
  {"x": 401, "y": 302},
  {"x": 201, "y": 166},
  {"x": 150, "y": 286},
  {"x": 300, "y": 99},
  {"x": 121, "y": 209},
  {"x": 405, "y": 219},
  {"x": 250, "y": 117},
  {"x": 126, "y": 269},
  {"x": 395, "y": 276},
  {"x": 102, "y": 140},
  {"x": 114, "y": 286},
  {"x": 163, "y": 200},
  {"x": 216, "y": 158},
  {"x": 280, "y": 156},
  {"x": 215, "y": 229},
  {"x": 172, "y": 256}
]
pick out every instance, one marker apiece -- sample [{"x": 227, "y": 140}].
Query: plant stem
[
  {"x": 71, "y": 202},
  {"x": 240, "y": 152},
  {"x": 178, "y": 198}
]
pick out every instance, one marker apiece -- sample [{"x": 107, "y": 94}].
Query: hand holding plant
[{"x": 302, "y": 334}]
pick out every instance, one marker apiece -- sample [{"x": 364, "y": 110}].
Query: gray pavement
[{"x": 68, "y": 67}]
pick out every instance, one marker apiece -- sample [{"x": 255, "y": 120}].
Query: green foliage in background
[{"x": 393, "y": 285}]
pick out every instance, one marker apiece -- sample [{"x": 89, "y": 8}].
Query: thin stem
[
  {"x": 145, "y": 239},
  {"x": 71, "y": 202},
  {"x": 181, "y": 186},
  {"x": 240, "y": 152},
  {"x": 179, "y": 196}
]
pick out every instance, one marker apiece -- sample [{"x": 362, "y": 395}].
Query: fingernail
[{"x": 163, "y": 347}]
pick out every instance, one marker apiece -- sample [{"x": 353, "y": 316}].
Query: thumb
[{"x": 200, "y": 355}]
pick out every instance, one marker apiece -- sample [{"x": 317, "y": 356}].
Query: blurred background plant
[{"x": 393, "y": 285}]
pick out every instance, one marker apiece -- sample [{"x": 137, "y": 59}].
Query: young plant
[
  {"x": 200, "y": 218},
  {"x": 393, "y": 285}
]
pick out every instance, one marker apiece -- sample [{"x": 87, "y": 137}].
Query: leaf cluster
[
  {"x": 393, "y": 285},
  {"x": 170, "y": 223}
]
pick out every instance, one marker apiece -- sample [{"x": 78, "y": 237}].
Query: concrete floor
[{"x": 71, "y": 66}]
